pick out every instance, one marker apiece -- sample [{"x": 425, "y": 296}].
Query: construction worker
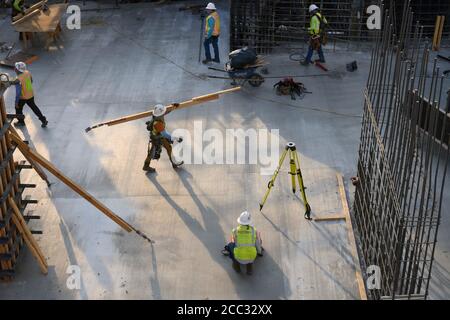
[
  {"x": 159, "y": 138},
  {"x": 245, "y": 245},
  {"x": 212, "y": 33},
  {"x": 24, "y": 93},
  {"x": 17, "y": 7},
  {"x": 316, "y": 27}
]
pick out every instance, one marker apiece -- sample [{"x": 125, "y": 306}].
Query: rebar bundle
[{"x": 403, "y": 160}]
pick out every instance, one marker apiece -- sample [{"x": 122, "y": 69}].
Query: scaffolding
[{"x": 403, "y": 160}]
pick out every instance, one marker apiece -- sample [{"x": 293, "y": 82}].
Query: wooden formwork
[{"x": 12, "y": 204}]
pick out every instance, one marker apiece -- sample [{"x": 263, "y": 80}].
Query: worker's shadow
[{"x": 257, "y": 286}]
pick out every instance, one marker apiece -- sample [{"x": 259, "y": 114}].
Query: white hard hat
[
  {"x": 211, "y": 6},
  {"x": 159, "y": 110},
  {"x": 20, "y": 66},
  {"x": 245, "y": 219},
  {"x": 313, "y": 7}
]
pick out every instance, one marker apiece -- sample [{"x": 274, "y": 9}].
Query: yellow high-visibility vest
[
  {"x": 26, "y": 84},
  {"x": 216, "y": 31},
  {"x": 245, "y": 244}
]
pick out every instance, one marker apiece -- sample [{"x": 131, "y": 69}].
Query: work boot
[
  {"x": 206, "y": 61},
  {"x": 44, "y": 123},
  {"x": 147, "y": 168},
  {"x": 249, "y": 268},
  {"x": 216, "y": 60},
  {"x": 236, "y": 266},
  {"x": 305, "y": 63},
  {"x": 176, "y": 165}
]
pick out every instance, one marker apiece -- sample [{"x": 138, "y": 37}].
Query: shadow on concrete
[
  {"x": 330, "y": 276},
  {"x": 267, "y": 281}
]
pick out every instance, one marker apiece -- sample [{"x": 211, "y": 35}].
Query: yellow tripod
[{"x": 295, "y": 171}]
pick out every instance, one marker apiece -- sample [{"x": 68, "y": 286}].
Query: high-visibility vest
[
  {"x": 314, "y": 26},
  {"x": 155, "y": 125},
  {"x": 26, "y": 84},
  {"x": 245, "y": 244},
  {"x": 216, "y": 31}
]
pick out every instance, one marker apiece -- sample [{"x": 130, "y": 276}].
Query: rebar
[{"x": 403, "y": 160}]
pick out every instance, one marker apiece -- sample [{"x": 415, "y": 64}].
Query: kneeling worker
[
  {"x": 159, "y": 138},
  {"x": 245, "y": 245}
]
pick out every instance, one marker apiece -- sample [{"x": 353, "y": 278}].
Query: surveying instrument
[{"x": 294, "y": 171}]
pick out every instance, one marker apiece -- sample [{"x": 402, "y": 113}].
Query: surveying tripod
[{"x": 294, "y": 171}]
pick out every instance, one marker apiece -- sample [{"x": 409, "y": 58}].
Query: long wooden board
[
  {"x": 185, "y": 104},
  {"x": 26, "y": 150}
]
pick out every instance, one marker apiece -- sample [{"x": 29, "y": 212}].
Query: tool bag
[{"x": 242, "y": 57}]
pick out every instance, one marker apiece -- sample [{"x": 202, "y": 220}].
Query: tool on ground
[
  {"x": 444, "y": 58},
  {"x": 32, "y": 154},
  {"x": 352, "y": 66},
  {"x": 317, "y": 63},
  {"x": 288, "y": 86},
  {"x": 181, "y": 105},
  {"x": 294, "y": 164}
]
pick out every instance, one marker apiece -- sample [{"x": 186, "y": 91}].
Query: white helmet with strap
[
  {"x": 20, "y": 66},
  {"x": 159, "y": 110},
  {"x": 313, "y": 7},
  {"x": 211, "y": 6}
]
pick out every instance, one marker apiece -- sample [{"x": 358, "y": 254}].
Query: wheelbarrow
[{"x": 240, "y": 76}]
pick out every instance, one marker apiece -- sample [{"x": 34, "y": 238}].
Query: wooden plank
[
  {"x": 33, "y": 163},
  {"x": 185, "y": 104},
  {"x": 28, "y": 237},
  {"x": 351, "y": 238},
  {"x": 19, "y": 56},
  {"x": 26, "y": 150},
  {"x": 43, "y": 22},
  {"x": 331, "y": 217},
  {"x": 35, "y": 6}
]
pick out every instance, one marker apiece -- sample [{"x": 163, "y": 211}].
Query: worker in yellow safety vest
[
  {"x": 17, "y": 7},
  {"x": 245, "y": 245},
  {"x": 212, "y": 33},
  {"x": 25, "y": 94},
  {"x": 316, "y": 30}
]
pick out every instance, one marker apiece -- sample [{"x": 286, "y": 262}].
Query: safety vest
[
  {"x": 152, "y": 128},
  {"x": 245, "y": 244},
  {"x": 26, "y": 85},
  {"x": 216, "y": 31},
  {"x": 16, "y": 7},
  {"x": 315, "y": 25}
]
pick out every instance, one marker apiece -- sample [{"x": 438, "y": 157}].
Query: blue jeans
[
  {"x": 310, "y": 53},
  {"x": 214, "y": 40},
  {"x": 230, "y": 248}
]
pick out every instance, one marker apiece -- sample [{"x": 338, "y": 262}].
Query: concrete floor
[{"x": 125, "y": 61}]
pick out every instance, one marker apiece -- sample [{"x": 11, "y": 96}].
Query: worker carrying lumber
[
  {"x": 245, "y": 245},
  {"x": 159, "y": 138},
  {"x": 25, "y": 94},
  {"x": 212, "y": 33},
  {"x": 317, "y": 34}
]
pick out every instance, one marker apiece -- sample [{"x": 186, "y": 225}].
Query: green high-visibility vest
[{"x": 245, "y": 244}]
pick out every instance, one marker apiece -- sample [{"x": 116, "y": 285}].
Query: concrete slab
[{"x": 124, "y": 61}]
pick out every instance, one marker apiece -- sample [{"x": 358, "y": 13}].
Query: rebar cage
[{"x": 403, "y": 160}]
